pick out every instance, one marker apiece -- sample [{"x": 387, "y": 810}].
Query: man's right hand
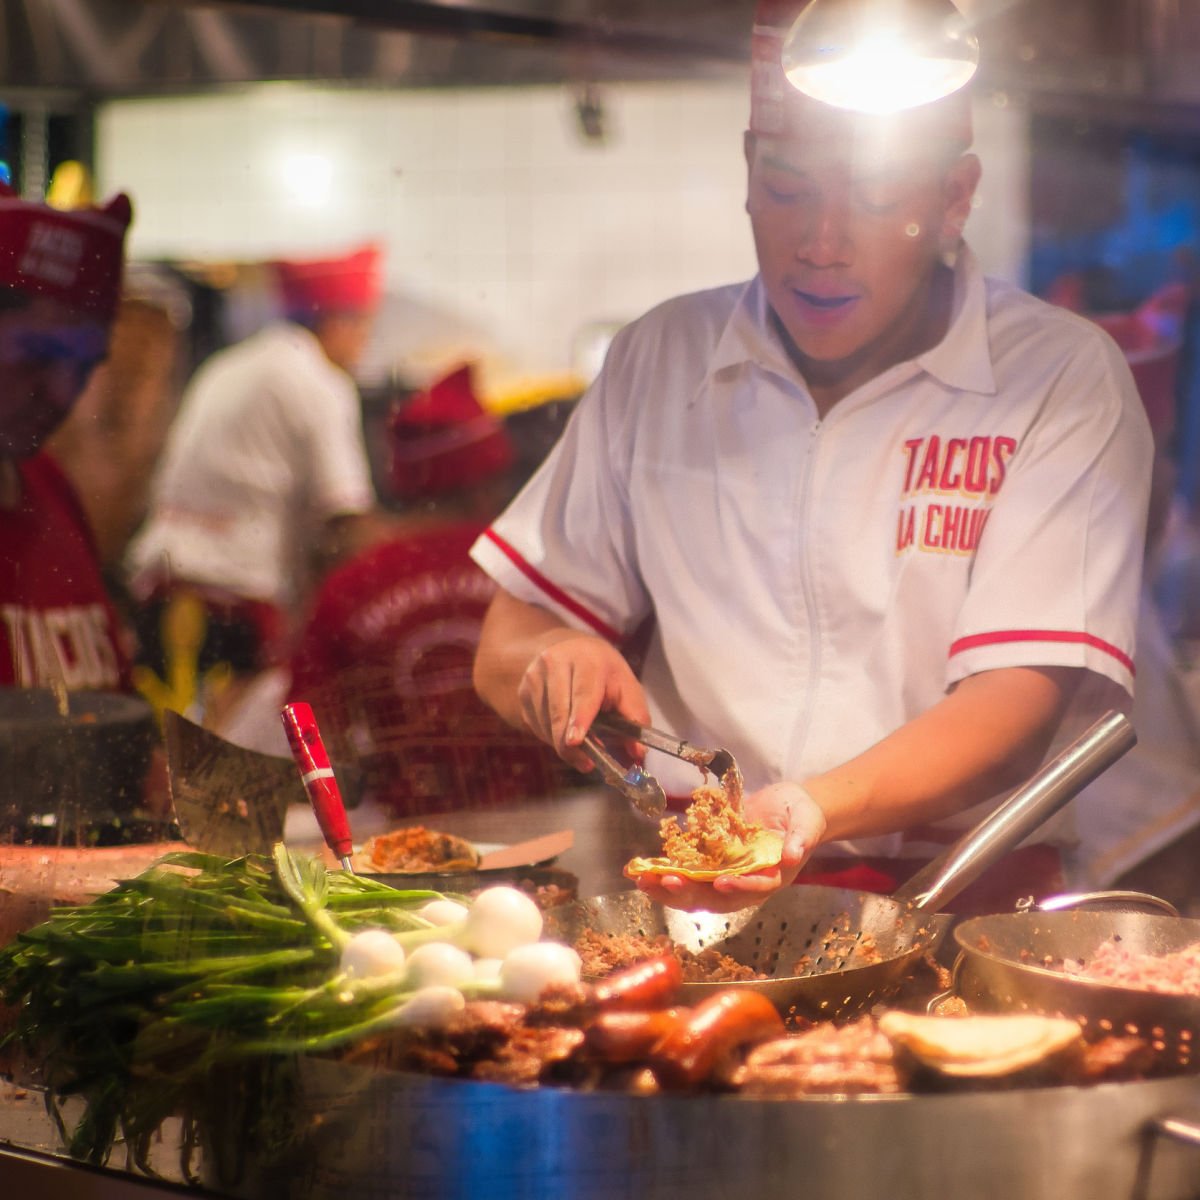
[
  {"x": 551, "y": 679},
  {"x": 574, "y": 677}
]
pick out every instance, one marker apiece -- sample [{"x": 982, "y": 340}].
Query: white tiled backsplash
[{"x": 505, "y": 230}]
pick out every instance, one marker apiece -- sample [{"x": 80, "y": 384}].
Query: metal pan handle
[
  {"x": 1121, "y": 901},
  {"x": 1061, "y": 779}
]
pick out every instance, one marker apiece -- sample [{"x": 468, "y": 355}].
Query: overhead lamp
[{"x": 879, "y": 56}]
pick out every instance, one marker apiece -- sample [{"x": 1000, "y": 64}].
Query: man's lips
[{"x": 823, "y": 309}]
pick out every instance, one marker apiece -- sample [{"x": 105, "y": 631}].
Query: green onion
[{"x": 198, "y": 969}]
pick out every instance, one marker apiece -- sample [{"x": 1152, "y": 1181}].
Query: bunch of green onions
[{"x": 197, "y": 965}]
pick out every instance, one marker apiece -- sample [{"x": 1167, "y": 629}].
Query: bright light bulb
[
  {"x": 307, "y": 179},
  {"x": 837, "y": 57}
]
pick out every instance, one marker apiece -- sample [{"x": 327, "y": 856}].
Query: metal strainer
[
  {"x": 1013, "y": 962},
  {"x": 829, "y": 952}
]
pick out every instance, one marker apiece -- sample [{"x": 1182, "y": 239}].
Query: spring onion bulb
[
  {"x": 438, "y": 964},
  {"x": 499, "y": 920},
  {"x": 528, "y": 970},
  {"x": 443, "y": 911},
  {"x": 431, "y": 1007},
  {"x": 372, "y": 952},
  {"x": 487, "y": 968}
]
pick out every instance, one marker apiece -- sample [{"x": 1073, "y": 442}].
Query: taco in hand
[{"x": 716, "y": 840}]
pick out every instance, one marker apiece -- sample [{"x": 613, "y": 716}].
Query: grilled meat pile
[{"x": 626, "y": 1033}]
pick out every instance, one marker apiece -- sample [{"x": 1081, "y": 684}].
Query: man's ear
[{"x": 958, "y": 190}]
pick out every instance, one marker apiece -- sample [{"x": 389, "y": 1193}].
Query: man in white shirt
[
  {"x": 886, "y": 515},
  {"x": 265, "y": 477}
]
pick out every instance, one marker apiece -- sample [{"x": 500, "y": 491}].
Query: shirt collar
[
  {"x": 749, "y": 337},
  {"x": 961, "y": 360}
]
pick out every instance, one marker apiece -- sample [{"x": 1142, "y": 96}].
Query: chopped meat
[
  {"x": 715, "y": 825},
  {"x": 853, "y": 1059},
  {"x": 844, "y": 945},
  {"x": 1176, "y": 974},
  {"x": 477, "y": 1033},
  {"x": 560, "y": 1004},
  {"x": 526, "y": 1056},
  {"x": 416, "y": 849},
  {"x": 603, "y": 953},
  {"x": 548, "y": 895},
  {"x": 711, "y": 966}
]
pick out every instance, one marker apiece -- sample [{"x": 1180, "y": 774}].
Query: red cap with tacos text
[
  {"x": 350, "y": 283},
  {"x": 443, "y": 439},
  {"x": 777, "y": 109},
  {"x": 74, "y": 255}
]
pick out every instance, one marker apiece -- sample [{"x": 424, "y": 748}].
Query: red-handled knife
[{"x": 319, "y": 782}]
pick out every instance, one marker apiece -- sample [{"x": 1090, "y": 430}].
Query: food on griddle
[
  {"x": 1174, "y": 974},
  {"x": 716, "y": 838},
  {"x": 652, "y": 983},
  {"x": 702, "y": 1040},
  {"x": 416, "y": 849},
  {"x": 983, "y": 1046},
  {"x": 239, "y": 966},
  {"x": 851, "y": 1060},
  {"x": 603, "y": 953},
  {"x": 845, "y": 944},
  {"x": 488, "y": 1039}
]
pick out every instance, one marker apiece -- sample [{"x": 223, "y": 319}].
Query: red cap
[
  {"x": 443, "y": 439},
  {"x": 777, "y": 109},
  {"x": 352, "y": 283},
  {"x": 72, "y": 255}
]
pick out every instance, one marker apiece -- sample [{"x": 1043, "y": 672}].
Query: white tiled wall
[{"x": 497, "y": 215}]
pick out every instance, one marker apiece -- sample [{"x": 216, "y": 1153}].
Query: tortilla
[{"x": 760, "y": 853}]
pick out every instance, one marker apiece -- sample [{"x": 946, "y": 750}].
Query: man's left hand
[{"x": 784, "y": 807}]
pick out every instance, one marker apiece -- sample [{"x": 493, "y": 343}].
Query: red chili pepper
[
  {"x": 647, "y": 984},
  {"x": 625, "y": 1037},
  {"x": 733, "y": 1017}
]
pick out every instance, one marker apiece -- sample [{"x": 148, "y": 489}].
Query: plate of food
[{"x": 415, "y": 856}]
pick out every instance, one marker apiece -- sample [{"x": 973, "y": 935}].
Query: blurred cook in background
[
  {"x": 385, "y": 657},
  {"x": 265, "y": 480},
  {"x": 110, "y": 443},
  {"x": 60, "y": 281}
]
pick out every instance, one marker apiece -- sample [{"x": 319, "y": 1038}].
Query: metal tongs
[{"x": 643, "y": 791}]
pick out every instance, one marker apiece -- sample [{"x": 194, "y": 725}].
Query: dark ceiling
[{"x": 1122, "y": 53}]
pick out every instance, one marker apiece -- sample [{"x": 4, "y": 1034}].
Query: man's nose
[{"x": 825, "y": 233}]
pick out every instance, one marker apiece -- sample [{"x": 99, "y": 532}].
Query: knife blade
[{"x": 228, "y": 800}]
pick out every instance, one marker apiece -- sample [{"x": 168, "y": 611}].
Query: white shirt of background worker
[
  {"x": 888, "y": 516},
  {"x": 267, "y": 450}
]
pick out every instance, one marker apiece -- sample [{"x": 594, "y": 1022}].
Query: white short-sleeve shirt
[
  {"x": 816, "y": 583},
  {"x": 267, "y": 444}
]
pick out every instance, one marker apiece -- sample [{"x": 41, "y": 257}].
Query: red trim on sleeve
[
  {"x": 999, "y": 637},
  {"x": 551, "y": 589}
]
